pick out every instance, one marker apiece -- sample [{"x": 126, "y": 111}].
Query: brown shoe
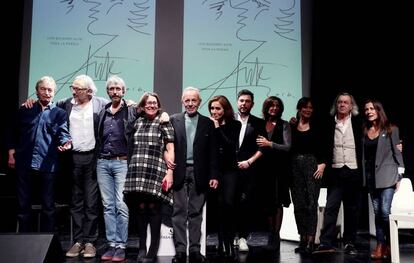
[
  {"x": 90, "y": 251},
  {"x": 377, "y": 252},
  {"x": 386, "y": 251},
  {"x": 75, "y": 250}
]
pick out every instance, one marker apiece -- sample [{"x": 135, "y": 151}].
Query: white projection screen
[
  {"x": 234, "y": 45},
  {"x": 97, "y": 38},
  {"x": 219, "y": 47}
]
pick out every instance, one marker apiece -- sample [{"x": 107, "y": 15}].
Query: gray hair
[
  {"x": 115, "y": 80},
  {"x": 88, "y": 82},
  {"x": 46, "y": 79},
  {"x": 191, "y": 89},
  {"x": 354, "y": 110}
]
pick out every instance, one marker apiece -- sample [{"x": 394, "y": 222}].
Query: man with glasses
[{"x": 83, "y": 109}]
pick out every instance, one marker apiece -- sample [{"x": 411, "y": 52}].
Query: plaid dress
[{"x": 147, "y": 166}]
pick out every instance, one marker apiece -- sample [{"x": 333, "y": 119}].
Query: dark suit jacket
[
  {"x": 387, "y": 159},
  {"x": 255, "y": 127},
  {"x": 205, "y": 152}
]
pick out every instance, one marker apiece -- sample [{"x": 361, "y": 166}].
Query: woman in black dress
[
  {"x": 227, "y": 131},
  {"x": 275, "y": 165}
]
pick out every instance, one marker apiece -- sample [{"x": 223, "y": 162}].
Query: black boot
[
  {"x": 155, "y": 225},
  {"x": 276, "y": 242},
  {"x": 141, "y": 252},
  {"x": 302, "y": 245},
  {"x": 221, "y": 250},
  {"x": 142, "y": 233}
]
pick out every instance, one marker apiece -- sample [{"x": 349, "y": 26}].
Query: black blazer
[
  {"x": 205, "y": 152},
  {"x": 98, "y": 104},
  {"x": 255, "y": 127}
]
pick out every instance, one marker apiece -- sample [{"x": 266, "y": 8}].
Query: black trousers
[
  {"x": 344, "y": 184},
  {"x": 84, "y": 208},
  {"x": 29, "y": 184},
  {"x": 305, "y": 193}
]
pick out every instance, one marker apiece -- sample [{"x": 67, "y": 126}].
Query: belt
[
  {"x": 115, "y": 157},
  {"x": 84, "y": 152},
  {"x": 189, "y": 165}
]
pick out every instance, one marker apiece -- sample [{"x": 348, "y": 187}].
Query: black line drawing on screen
[
  {"x": 257, "y": 21},
  {"x": 109, "y": 22}
]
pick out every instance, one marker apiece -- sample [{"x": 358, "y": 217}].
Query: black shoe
[
  {"x": 149, "y": 260},
  {"x": 221, "y": 249},
  {"x": 180, "y": 257},
  {"x": 274, "y": 242},
  {"x": 350, "y": 249},
  {"x": 196, "y": 257},
  {"x": 302, "y": 245},
  {"x": 324, "y": 249},
  {"x": 231, "y": 256},
  {"x": 300, "y": 249},
  {"x": 141, "y": 254}
]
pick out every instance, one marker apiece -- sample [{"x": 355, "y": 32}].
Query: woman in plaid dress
[{"x": 150, "y": 174}]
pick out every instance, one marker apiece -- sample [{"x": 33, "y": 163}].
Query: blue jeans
[
  {"x": 381, "y": 201},
  {"x": 111, "y": 179}
]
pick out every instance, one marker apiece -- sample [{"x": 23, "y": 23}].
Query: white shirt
[
  {"x": 81, "y": 127},
  {"x": 243, "y": 128}
]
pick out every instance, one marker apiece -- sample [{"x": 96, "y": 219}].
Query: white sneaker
[{"x": 243, "y": 245}]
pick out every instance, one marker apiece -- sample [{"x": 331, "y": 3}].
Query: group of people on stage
[{"x": 137, "y": 157}]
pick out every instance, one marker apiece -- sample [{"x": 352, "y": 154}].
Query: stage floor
[{"x": 260, "y": 252}]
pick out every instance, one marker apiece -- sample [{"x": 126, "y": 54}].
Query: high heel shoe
[
  {"x": 377, "y": 253},
  {"x": 231, "y": 256},
  {"x": 310, "y": 246},
  {"x": 141, "y": 254}
]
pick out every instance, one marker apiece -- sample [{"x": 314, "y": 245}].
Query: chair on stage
[{"x": 402, "y": 215}]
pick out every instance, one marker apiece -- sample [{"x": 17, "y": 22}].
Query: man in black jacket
[
  {"x": 196, "y": 169},
  {"x": 248, "y": 154}
]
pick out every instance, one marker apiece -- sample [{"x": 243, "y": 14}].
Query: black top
[
  {"x": 228, "y": 142},
  {"x": 370, "y": 150},
  {"x": 308, "y": 142},
  {"x": 113, "y": 134}
]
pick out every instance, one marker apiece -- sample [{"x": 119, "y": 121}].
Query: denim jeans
[
  {"x": 111, "y": 179},
  {"x": 381, "y": 201}
]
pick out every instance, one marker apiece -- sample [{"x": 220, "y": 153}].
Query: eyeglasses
[
  {"x": 151, "y": 103},
  {"x": 76, "y": 89}
]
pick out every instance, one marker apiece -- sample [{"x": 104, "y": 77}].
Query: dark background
[{"x": 361, "y": 47}]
